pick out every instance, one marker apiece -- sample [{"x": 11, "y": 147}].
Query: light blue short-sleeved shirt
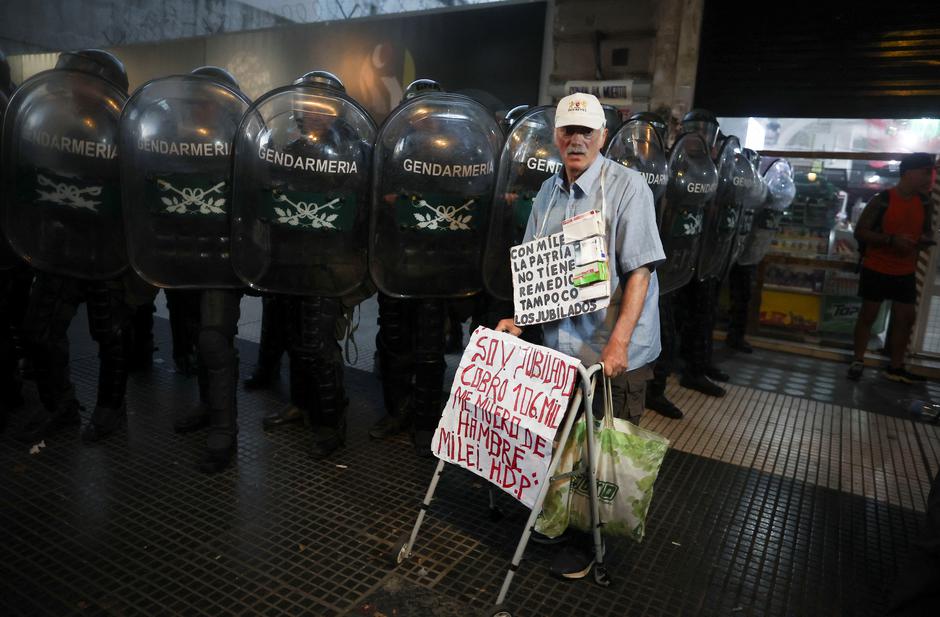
[{"x": 632, "y": 241}]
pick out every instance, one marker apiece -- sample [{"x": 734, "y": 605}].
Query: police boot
[
  {"x": 738, "y": 344},
  {"x": 288, "y": 414},
  {"x": 103, "y": 422},
  {"x": 330, "y": 434},
  {"x": 657, "y": 401},
  {"x": 700, "y": 383},
  {"x": 428, "y": 399},
  {"x": 396, "y": 391},
  {"x": 41, "y": 424},
  {"x": 716, "y": 374},
  {"x": 196, "y": 416},
  {"x": 222, "y": 442}
]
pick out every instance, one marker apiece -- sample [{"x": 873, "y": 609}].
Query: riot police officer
[
  {"x": 434, "y": 176},
  {"x": 303, "y": 157},
  {"x": 176, "y": 136},
  {"x": 778, "y": 190},
  {"x": 63, "y": 215},
  {"x": 640, "y": 145}
]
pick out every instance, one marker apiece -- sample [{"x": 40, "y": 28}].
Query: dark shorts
[
  {"x": 628, "y": 392},
  {"x": 877, "y": 287}
]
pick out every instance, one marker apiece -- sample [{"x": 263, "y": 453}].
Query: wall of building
[{"x": 654, "y": 43}]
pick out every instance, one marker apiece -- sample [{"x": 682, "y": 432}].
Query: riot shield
[
  {"x": 8, "y": 259},
  {"x": 637, "y": 146},
  {"x": 779, "y": 191},
  {"x": 176, "y": 139},
  {"x": 433, "y": 175},
  {"x": 61, "y": 179},
  {"x": 723, "y": 213},
  {"x": 528, "y": 158},
  {"x": 751, "y": 198},
  {"x": 612, "y": 122},
  {"x": 300, "y": 196},
  {"x": 693, "y": 181}
]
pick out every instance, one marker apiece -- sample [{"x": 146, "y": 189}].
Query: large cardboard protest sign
[
  {"x": 505, "y": 406},
  {"x": 542, "y": 286}
]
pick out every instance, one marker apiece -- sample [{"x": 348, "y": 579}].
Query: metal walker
[{"x": 582, "y": 404}]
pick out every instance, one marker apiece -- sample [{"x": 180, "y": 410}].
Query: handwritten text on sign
[
  {"x": 505, "y": 406},
  {"x": 541, "y": 282}
]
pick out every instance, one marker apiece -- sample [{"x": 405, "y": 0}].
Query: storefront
[{"x": 807, "y": 285}]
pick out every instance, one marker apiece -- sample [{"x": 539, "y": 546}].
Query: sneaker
[
  {"x": 572, "y": 562},
  {"x": 663, "y": 406},
  {"x": 903, "y": 376},
  {"x": 700, "y": 383},
  {"x": 855, "y": 370}
]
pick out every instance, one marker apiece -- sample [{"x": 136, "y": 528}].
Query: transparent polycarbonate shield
[
  {"x": 693, "y": 181},
  {"x": 61, "y": 180},
  {"x": 637, "y": 146},
  {"x": 301, "y": 192},
  {"x": 176, "y": 172},
  {"x": 723, "y": 213},
  {"x": 434, "y": 172},
  {"x": 779, "y": 192},
  {"x": 528, "y": 158},
  {"x": 781, "y": 189},
  {"x": 750, "y": 195},
  {"x": 8, "y": 259}
]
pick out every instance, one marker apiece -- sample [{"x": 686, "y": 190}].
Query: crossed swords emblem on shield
[
  {"x": 65, "y": 194},
  {"x": 193, "y": 201},
  {"x": 307, "y": 214},
  {"x": 448, "y": 215}
]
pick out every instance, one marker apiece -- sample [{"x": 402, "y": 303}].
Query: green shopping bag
[{"x": 627, "y": 462}]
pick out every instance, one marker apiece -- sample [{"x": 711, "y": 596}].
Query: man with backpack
[{"x": 892, "y": 229}]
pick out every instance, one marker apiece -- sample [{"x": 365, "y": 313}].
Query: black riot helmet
[
  {"x": 321, "y": 78},
  {"x": 753, "y": 158},
  {"x": 421, "y": 86},
  {"x": 6, "y": 81},
  {"x": 704, "y": 123},
  {"x": 512, "y": 115},
  {"x": 98, "y": 62},
  {"x": 218, "y": 74},
  {"x": 654, "y": 119}
]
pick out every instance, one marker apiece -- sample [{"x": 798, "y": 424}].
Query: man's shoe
[
  {"x": 289, "y": 414},
  {"x": 103, "y": 422},
  {"x": 572, "y": 562},
  {"x": 541, "y": 538},
  {"x": 390, "y": 425},
  {"x": 663, "y": 406},
  {"x": 701, "y": 384},
  {"x": 41, "y": 423},
  {"x": 902, "y": 375},
  {"x": 191, "y": 419},
  {"x": 422, "y": 442},
  {"x": 739, "y": 344},
  {"x": 716, "y": 374},
  {"x": 262, "y": 378},
  {"x": 855, "y": 370},
  {"x": 325, "y": 441}
]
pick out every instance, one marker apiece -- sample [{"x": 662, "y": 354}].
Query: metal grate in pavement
[{"x": 769, "y": 504}]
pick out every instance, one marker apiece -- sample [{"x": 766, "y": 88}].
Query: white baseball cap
[{"x": 579, "y": 109}]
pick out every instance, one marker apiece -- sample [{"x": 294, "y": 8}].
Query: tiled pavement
[{"x": 796, "y": 494}]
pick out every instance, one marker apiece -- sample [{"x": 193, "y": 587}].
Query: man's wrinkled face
[{"x": 579, "y": 146}]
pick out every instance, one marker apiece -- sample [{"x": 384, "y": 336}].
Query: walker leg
[{"x": 403, "y": 550}]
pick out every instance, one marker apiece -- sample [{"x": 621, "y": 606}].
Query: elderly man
[{"x": 625, "y": 335}]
